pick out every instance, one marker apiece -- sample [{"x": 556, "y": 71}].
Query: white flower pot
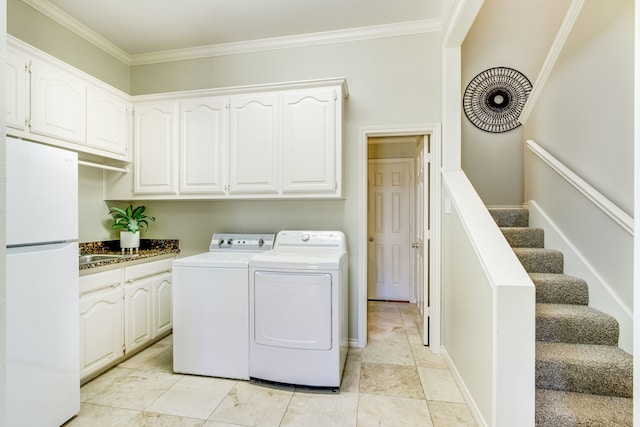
[{"x": 129, "y": 240}]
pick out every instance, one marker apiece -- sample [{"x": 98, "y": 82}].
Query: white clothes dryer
[
  {"x": 298, "y": 295},
  {"x": 211, "y": 307}
]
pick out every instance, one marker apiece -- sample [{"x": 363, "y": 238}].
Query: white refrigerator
[{"x": 43, "y": 375}]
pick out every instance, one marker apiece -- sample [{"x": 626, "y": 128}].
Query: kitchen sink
[{"x": 87, "y": 259}]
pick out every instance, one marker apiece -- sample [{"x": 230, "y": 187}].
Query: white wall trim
[
  {"x": 302, "y": 40},
  {"x": 621, "y": 218},
  {"x": 433, "y": 130},
  {"x": 80, "y": 29},
  {"x": 289, "y": 42},
  {"x": 565, "y": 29}
]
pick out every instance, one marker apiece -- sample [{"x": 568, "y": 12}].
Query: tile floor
[{"x": 394, "y": 381}]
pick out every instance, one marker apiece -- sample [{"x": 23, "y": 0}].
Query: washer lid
[
  {"x": 316, "y": 259},
  {"x": 228, "y": 259}
]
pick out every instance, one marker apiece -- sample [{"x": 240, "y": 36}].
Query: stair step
[
  {"x": 575, "y": 324},
  {"x": 510, "y": 217},
  {"x": 560, "y": 289},
  {"x": 524, "y": 237},
  {"x": 537, "y": 260},
  {"x": 594, "y": 369},
  {"x": 565, "y": 409}
]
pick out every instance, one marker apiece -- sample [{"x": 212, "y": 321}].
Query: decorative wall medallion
[{"x": 494, "y": 99}]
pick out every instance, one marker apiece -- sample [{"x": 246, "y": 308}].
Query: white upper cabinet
[
  {"x": 203, "y": 128},
  {"x": 253, "y": 144},
  {"x": 280, "y": 141},
  {"x": 310, "y": 135},
  {"x": 155, "y": 148},
  {"x": 51, "y": 102},
  {"x": 58, "y": 103},
  {"x": 108, "y": 120},
  {"x": 17, "y": 89}
]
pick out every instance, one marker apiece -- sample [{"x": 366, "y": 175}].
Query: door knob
[
  {"x": 371, "y": 238},
  {"x": 415, "y": 245}
]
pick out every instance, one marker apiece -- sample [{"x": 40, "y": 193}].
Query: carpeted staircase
[{"x": 582, "y": 377}]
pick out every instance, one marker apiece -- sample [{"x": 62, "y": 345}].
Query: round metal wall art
[{"x": 495, "y": 98}]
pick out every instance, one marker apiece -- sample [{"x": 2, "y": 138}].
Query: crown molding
[
  {"x": 79, "y": 28},
  {"x": 288, "y": 42}
]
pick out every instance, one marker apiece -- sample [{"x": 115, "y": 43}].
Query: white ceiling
[{"x": 142, "y": 27}]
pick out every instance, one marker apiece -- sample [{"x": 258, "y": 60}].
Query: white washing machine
[
  {"x": 298, "y": 318},
  {"x": 211, "y": 307}
]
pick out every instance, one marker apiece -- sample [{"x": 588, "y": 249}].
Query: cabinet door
[
  {"x": 58, "y": 103},
  {"x": 107, "y": 121},
  {"x": 17, "y": 85},
  {"x": 154, "y": 146},
  {"x": 101, "y": 334},
  {"x": 201, "y": 145},
  {"x": 310, "y": 141},
  {"x": 162, "y": 304},
  {"x": 253, "y": 144},
  {"x": 138, "y": 313}
]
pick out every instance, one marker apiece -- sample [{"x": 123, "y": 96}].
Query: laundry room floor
[{"x": 394, "y": 381}]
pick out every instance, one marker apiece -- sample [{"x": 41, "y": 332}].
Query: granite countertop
[{"x": 149, "y": 248}]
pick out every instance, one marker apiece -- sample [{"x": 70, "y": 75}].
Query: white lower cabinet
[
  {"x": 138, "y": 310},
  {"x": 101, "y": 321},
  {"x": 122, "y": 311},
  {"x": 100, "y": 330}
]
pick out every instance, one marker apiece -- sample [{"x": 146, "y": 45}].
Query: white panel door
[
  {"x": 17, "y": 86},
  {"x": 310, "y": 141},
  {"x": 107, "y": 121},
  {"x": 154, "y": 144},
  {"x": 253, "y": 144},
  {"x": 58, "y": 103},
  {"x": 203, "y": 127},
  {"x": 388, "y": 264}
]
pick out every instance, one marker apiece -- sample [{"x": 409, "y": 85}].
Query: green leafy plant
[{"x": 130, "y": 219}]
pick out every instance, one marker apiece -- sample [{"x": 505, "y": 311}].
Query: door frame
[{"x": 432, "y": 211}]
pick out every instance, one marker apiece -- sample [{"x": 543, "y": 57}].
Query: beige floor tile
[
  {"x": 151, "y": 419},
  {"x": 321, "y": 410},
  {"x": 407, "y": 308},
  {"x": 447, "y": 414},
  {"x": 162, "y": 361},
  {"x": 219, "y": 424},
  {"x": 385, "y": 318},
  {"x": 253, "y": 405},
  {"x": 351, "y": 375},
  {"x": 104, "y": 382},
  {"x": 426, "y": 359},
  {"x": 390, "y": 380},
  {"x": 137, "y": 390},
  {"x": 149, "y": 353},
  {"x": 390, "y": 411},
  {"x": 393, "y": 353},
  {"x": 438, "y": 384},
  {"x": 413, "y": 335},
  {"x": 386, "y": 333},
  {"x": 193, "y": 397},
  {"x": 382, "y": 306},
  {"x": 102, "y": 416}
]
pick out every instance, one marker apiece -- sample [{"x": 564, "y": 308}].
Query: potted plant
[{"x": 130, "y": 221}]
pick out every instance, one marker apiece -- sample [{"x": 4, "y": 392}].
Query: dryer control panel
[{"x": 311, "y": 239}]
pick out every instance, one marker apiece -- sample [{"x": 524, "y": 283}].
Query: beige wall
[
  {"x": 506, "y": 33},
  {"x": 31, "y": 26},
  {"x": 584, "y": 116},
  {"x": 392, "y": 81}
]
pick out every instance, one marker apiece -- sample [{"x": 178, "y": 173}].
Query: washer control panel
[{"x": 241, "y": 242}]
